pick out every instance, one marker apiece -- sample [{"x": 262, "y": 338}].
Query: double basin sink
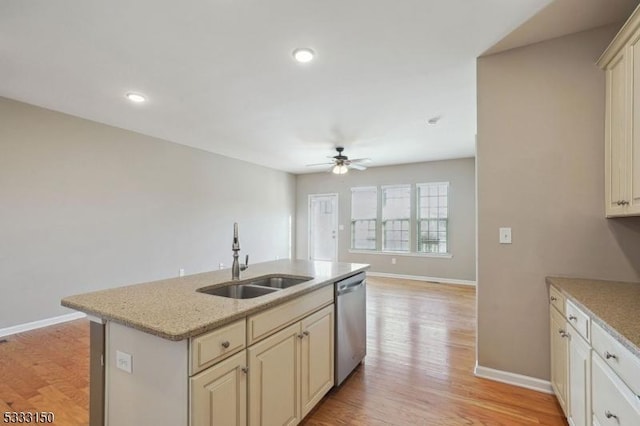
[{"x": 254, "y": 287}]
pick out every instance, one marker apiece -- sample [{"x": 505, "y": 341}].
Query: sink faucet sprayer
[{"x": 237, "y": 267}]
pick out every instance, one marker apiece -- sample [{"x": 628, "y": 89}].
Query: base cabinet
[
  {"x": 559, "y": 358},
  {"x": 291, "y": 371},
  {"x": 613, "y": 402},
  {"x": 274, "y": 390},
  {"x": 579, "y": 380},
  {"x": 219, "y": 394},
  {"x": 317, "y": 362}
]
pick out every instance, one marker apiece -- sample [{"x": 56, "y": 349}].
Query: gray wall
[
  {"x": 461, "y": 175},
  {"x": 86, "y": 206},
  {"x": 540, "y": 160}
]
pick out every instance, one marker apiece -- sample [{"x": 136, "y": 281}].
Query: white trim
[
  {"x": 421, "y": 278},
  {"x": 40, "y": 323},
  {"x": 403, "y": 253},
  {"x": 513, "y": 379}
]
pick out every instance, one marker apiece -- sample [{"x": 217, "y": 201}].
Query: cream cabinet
[
  {"x": 290, "y": 371},
  {"x": 621, "y": 63},
  {"x": 559, "y": 358},
  {"x": 317, "y": 357},
  {"x": 579, "y": 379},
  {"x": 595, "y": 378},
  {"x": 219, "y": 394},
  {"x": 613, "y": 402}
]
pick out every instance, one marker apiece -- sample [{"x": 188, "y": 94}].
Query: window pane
[
  {"x": 396, "y": 213},
  {"x": 364, "y": 210},
  {"x": 433, "y": 212},
  {"x": 364, "y": 203}
]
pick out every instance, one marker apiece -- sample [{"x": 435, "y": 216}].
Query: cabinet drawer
[
  {"x": 579, "y": 320},
  {"x": 216, "y": 345},
  {"x": 556, "y": 299},
  {"x": 265, "y": 323},
  {"x": 613, "y": 402},
  {"x": 616, "y": 356}
]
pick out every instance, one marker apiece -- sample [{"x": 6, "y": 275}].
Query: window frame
[
  {"x": 437, "y": 219},
  {"x": 383, "y": 221},
  {"x": 374, "y": 219}
]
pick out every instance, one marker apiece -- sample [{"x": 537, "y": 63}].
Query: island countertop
[
  {"x": 174, "y": 310},
  {"x": 611, "y": 304}
]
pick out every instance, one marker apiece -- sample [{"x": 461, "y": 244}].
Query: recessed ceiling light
[
  {"x": 303, "y": 55},
  {"x": 135, "y": 97}
]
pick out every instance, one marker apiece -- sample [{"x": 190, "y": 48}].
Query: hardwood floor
[
  {"x": 419, "y": 367},
  {"x": 418, "y": 370}
]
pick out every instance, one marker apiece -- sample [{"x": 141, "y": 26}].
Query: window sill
[{"x": 403, "y": 253}]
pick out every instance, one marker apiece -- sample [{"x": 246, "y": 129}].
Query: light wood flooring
[{"x": 418, "y": 370}]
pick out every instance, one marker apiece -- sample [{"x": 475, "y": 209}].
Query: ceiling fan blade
[
  {"x": 318, "y": 164},
  {"x": 361, "y": 160},
  {"x": 357, "y": 166}
]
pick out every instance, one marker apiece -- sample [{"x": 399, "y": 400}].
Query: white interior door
[{"x": 323, "y": 227}]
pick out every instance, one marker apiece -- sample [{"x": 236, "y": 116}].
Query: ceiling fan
[{"x": 341, "y": 163}]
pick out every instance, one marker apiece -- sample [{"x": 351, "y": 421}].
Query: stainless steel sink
[
  {"x": 279, "y": 281},
  {"x": 254, "y": 287},
  {"x": 239, "y": 291}
]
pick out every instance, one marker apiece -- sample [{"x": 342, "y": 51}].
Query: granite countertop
[
  {"x": 172, "y": 309},
  {"x": 612, "y": 304}
]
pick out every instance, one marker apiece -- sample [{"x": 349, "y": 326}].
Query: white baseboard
[
  {"x": 514, "y": 379},
  {"x": 421, "y": 278},
  {"x": 40, "y": 323}
]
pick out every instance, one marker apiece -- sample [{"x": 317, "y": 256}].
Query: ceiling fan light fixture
[
  {"x": 303, "y": 55},
  {"x": 340, "y": 169}
]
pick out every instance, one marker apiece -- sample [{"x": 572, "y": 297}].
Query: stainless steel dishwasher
[{"x": 351, "y": 324}]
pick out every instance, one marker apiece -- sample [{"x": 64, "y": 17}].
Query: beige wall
[
  {"x": 84, "y": 206},
  {"x": 461, "y": 175},
  {"x": 541, "y": 171}
]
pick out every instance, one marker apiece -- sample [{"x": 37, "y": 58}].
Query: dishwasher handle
[{"x": 350, "y": 287}]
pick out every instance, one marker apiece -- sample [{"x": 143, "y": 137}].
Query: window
[
  {"x": 433, "y": 212},
  {"x": 396, "y": 217},
  {"x": 364, "y": 213}
]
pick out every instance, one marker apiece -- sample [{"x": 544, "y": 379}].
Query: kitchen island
[{"x": 177, "y": 356}]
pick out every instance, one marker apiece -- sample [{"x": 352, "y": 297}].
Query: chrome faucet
[{"x": 237, "y": 267}]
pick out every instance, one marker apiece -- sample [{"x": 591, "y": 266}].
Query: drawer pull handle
[
  {"x": 225, "y": 344},
  {"x": 300, "y": 336},
  {"x": 306, "y": 333},
  {"x": 553, "y": 298},
  {"x": 607, "y": 355},
  {"x": 245, "y": 370},
  {"x": 563, "y": 333},
  {"x": 572, "y": 317},
  {"x": 608, "y": 414}
]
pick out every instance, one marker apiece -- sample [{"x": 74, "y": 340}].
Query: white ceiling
[{"x": 219, "y": 73}]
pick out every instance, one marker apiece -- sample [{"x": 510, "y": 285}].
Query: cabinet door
[
  {"x": 616, "y": 136},
  {"x": 613, "y": 402},
  {"x": 219, "y": 394},
  {"x": 633, "y": 125},
  {"x": 559, "y": 358},
  {"x": 579, "y": 380},
  {"x": 274, "y": 379},
  {"x": 317, "y": 357}
]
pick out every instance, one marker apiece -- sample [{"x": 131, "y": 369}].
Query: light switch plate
[
  {"x": 505, "y": 235},
  {"x": 124, "y": 361},
  {"x": 340, "y": 227}
]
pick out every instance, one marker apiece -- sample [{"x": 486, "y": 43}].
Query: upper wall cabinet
[{"x": 621, "y": 63}]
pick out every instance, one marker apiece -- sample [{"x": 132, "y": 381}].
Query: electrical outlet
[
  {"x": 181, "y": 272},
  {"x": 124, "y": 361},
  {"x": 393, "y": 260},
  {"x": 340, "y": 227},
  {"x": 505, "y": 235},
  {"x": 220, "y": 265}
]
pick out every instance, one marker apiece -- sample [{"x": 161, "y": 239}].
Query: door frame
[{"x": 337, "y": 214}]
